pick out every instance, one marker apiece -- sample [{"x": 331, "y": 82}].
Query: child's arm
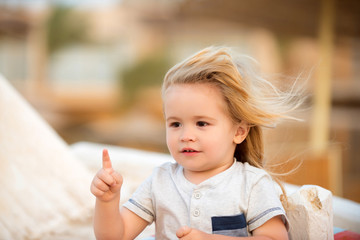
[
  {"x": 274, "y": 228},
  {"x": 271, "y": 230},
  {"x": 109, "y": 221}
]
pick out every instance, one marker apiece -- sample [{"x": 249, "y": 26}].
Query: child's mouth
[{"x": 189, "y": 151}]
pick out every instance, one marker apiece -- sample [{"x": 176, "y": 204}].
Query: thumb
[
  {"x": 183, "y": 231},
  {"x": 106, "y": 162}
]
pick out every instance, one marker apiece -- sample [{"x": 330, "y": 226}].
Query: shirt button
[
  {"x": 196, "y": 213},
  {"x": 197, "y": 195}
]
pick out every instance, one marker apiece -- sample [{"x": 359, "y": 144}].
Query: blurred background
[{"x": 93, "y": 69}]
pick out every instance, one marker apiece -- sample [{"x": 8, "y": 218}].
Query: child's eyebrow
[
  {"x": 199, "y": 117},
  {"x": 205, "y": 117},
  {"x": 171, "y": 118}
]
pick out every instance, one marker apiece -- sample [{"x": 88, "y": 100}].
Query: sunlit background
[{"x": 93, "y": 70}]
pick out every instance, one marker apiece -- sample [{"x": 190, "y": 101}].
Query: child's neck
[{"x": 195, "y": 178}]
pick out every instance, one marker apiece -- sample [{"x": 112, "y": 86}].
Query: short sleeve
[
  {"x": 141, "y": 202},
  {"x": 264, "y": 203}
]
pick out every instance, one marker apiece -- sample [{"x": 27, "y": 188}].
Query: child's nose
[{"x": 187, "y": 135}]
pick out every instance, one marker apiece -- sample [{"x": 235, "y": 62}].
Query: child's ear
[{"x": 241, "y": 132}]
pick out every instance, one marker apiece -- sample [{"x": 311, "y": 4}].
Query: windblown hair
[{"x": 249, "y": 97}]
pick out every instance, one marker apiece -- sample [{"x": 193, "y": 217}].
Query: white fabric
[
  {"x": 172, "y": 201},
  {"x": 43, "y": 185}
]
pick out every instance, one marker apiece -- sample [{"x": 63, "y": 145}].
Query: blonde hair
[{"x": 249, "y": 96}]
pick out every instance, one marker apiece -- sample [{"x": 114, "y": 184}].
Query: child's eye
[
  {"x": 202, "y": 124},
  {"x": 175, "y": 124}
]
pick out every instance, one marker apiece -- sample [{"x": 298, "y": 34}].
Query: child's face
[{"x": 199, "y": 132}]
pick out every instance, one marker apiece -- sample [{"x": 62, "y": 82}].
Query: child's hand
[
  {"x": 107, "y": 183},
  {"x": 187, "y": 233}
]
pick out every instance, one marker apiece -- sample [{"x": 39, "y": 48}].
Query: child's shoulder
[
  {"x": 252, "y": 176},
  {"x": 248, "y": 171},
  {"x": 166, "y": 168},
  {"x": 246, "y": 167}
]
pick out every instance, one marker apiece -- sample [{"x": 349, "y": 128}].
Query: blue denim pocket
[{"x": 234, "y": 226}]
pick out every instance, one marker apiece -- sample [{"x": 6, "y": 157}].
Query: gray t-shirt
[{"x": 232, "y": 203}]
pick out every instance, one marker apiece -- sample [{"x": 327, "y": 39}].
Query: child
[{"x": 214, "y": 107}]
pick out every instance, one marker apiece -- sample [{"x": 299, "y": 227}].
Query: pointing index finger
[{"x": 106, "y": 162}]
